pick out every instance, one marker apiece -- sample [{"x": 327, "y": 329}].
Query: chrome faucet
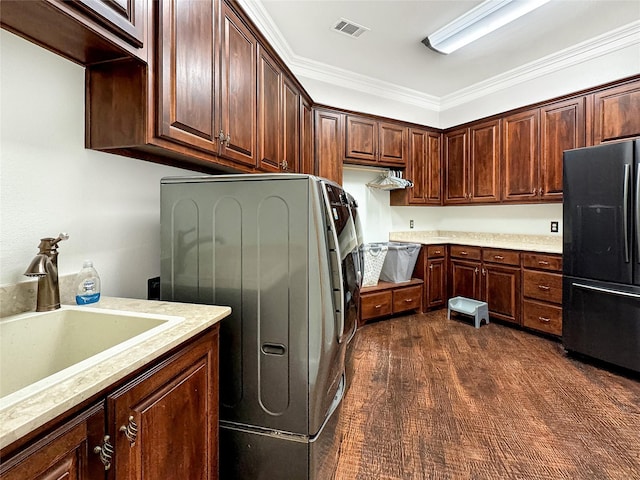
[{"x": 45, "y": 267}]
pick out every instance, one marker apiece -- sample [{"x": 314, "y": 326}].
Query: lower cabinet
[
  {"x": 501, "y": 283},
  {"x": 390, "y": 298},
  {"x": 431, "y": 269},
  {"x": 542, "y": 292},
  {"x": 161, "y": 424}
]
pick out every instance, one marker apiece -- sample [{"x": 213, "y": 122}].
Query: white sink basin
[{"x": 40, "y": 349}]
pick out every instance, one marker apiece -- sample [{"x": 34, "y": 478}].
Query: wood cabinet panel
[
  {"x": 270, "y": 123},
  {"x": 434, "y": 172},
  {"x": 328, "y": 139},
  {"x": 542, "y": 286},
  {"x": 361, "y": 138},
  {"x": 375, "y": 305},
  {"x": 436, "y": 284},
  {"x": 392, "y": 140},
  {"x": 520, "y": 158},
  {"x": 292, "y": 123},
  {"x": 167, "y": 421},
  {"x": 615, "y": 114},
  {"x": 455, "y": 167},
  {"x": 186, "y": 70},
  {"x": 484, "y": 162},
  {"x": 436, "y": 251},
  {"x": 125, "y": 18},
  {"x": 465, "y": 279},
  {"x": 562, "y": 127},
  {"x": 501, "y": 291},
  {"x": 408, "y": 298},
  {"x": 542, "y": 317},
  {"x": 238, "y": 101},
  {"x": 465, "y": 252},
  {"x": 542, "y": 261},
  {"x": 307, "y": 161}
]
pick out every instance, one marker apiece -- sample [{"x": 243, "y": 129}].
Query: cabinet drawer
[
  {"x": 543, "y": 286},
  {"x": 376, "y": 304},
  {"x": 407, "y": 299},
  {"x": 542, "y": 261},
  {"x": 505, "y": 257},
  {"x": 435, "y": 251},
  {"x": 459, "y": 251},
  {"x": 543, "y": 317}
]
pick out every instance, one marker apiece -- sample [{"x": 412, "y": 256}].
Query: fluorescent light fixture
[{"x": 477, "y": 22}]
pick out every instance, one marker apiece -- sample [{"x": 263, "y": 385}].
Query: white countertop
[
  {"x": 25, "y": 416},
  {"x": 532, "y": 243}
]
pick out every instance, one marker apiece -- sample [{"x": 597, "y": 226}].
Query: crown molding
[{"x": 625, "y": 36}]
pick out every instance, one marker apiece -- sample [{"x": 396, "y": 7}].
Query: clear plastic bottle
[{"x": 87, "y": 284}]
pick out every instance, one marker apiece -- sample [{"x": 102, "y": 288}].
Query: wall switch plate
[
  {"x": 410, "y": 223},
  {"x": 554, "y": 227}
]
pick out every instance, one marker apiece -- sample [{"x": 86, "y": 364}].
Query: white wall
[
  {"x": 50, "y": 183},
  {"x": 378, "y": 218}
]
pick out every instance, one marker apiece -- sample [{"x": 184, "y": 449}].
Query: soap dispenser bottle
[{"x": 87, "y": 284}]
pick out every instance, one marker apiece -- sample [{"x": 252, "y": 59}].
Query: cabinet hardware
[
  {"x": 431, "y": 267},
  {"x": 540, "y": 192},
  {"x": 408, "y": 300},
  {"x": 378, "y": 306},
  {"x": 438, "y": 252},
  {"x": 105, "y": 452},
  {"x": 498, "y": 257},
  {"x": 543, "y": 262},
  {"x": 476, "y": 270},
  {"x": 544, "y": 287},
  {"x": 484, "y": 271},
  {"x": 130, "y": 430},
  {"x": 464, "y": 253},
  {"x": 220, "y": 137},
  {"x": 533, "y": 192},
  {"x": 227, "y": 140},
  {"x": 544, "y": 320},
  {"x": 284, "y": 165}
]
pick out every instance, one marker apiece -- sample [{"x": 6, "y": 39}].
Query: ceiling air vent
[{"x": 349, "y": 28}]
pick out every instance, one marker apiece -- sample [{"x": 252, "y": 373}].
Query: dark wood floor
[{"x": 438, "y": 399}]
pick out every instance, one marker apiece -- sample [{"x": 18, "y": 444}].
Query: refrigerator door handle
[
  {"x": 606, "y": 290},
  {"x": 625, "y": 211},
  {"x": 638, "y": 211}
]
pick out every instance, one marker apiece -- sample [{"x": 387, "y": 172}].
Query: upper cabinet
[
  {"x": 424, "y": 168},
  {"x": 616, "y": 113},
  {"x": 520, "y": 156},
  {"x": 471, "y": 161},
  {"x": 307, "y": 160},
  {"x": 328, "y": 143},
  {"x": 373, "y": 142},
  {"x": 125, "y": 18}
]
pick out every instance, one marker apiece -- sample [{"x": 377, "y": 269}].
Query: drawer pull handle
[
  {"x": 408, "y": 300},
  {"x": 498, "y": 257},
  {"x": 105, "y": 452},
  {"x": 544, "y": 320},
  {"x": 464, "y": 253},
  {"x": 544, "y": 287},
  {"x": 437, "y": 252},
  {"x": 378, "y": 306},
  {"x": 543, "y": 262},
  {"x": 130, "y": 430}
]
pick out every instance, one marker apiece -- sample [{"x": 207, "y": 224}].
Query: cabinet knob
[
  {"x": 430, "y": 267},
  {"x": 105, "y": 452},
  {"x": 484, "y": 271},
  {"x": 540, "y": 192},
  {"x": 130, "y": 430},
  {"x": 284, "y": 164},
  {"x": 476, "y": 270}
]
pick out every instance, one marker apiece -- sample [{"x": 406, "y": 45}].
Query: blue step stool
[{"x": 475, "y": 308}]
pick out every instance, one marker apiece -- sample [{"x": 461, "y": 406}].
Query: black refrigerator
[{"x": 601, "y": 253}]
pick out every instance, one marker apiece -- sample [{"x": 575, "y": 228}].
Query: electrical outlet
[
  {"x": 554, "y": 227},
  {"x": 410, "y": 223}
]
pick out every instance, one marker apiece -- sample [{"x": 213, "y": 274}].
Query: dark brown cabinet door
[
  {"x": 290, "y": 128},
  {"x": 328, "y": 140},
  {"x": 125, "y": 18},
  {"x": 484, "y": 161},
  {"x": 238, "y": 89},
  {"x": 417, "y": 167},
  {"x": 562, "y": 127},
  {"x": 501, "y": 291},
  {"x": 392, "y": 143},
  {"x": 433, "y": 193},
  {"x": 307, "y": 163},
  {"x": 270, "y": 120},
  {"x": 455, "y": 165},
  {"x": 520, "y": 161},
  {"x": 465, "y": 279},
  {"x": 165, "y": 423},
  {"x": 361, "y": 139},
  {"x": 615, "y": 115},
  {"x": 66, "y": 453},
  {"x": 187, "y": 70},
  {"x": 437, "y": 284}
]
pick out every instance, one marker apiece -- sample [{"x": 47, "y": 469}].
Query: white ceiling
[{"x": 392, "y": 54}]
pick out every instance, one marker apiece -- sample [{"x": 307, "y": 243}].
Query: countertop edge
[{"x": 26, "y": 416}]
